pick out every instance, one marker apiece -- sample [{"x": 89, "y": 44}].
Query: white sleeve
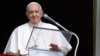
[
  {"x": 12, "y": 45},
  {"x": 65, "y": 46},
  {"x": 62, "y": 43}
]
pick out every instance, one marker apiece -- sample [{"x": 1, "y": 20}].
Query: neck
[{"x": 34, "y": 24}]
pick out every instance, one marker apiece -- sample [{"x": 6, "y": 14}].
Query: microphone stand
[{"x": 50, "y": 19}]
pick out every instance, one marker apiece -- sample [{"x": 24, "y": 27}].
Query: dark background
[{"x": 75, "y": 15}]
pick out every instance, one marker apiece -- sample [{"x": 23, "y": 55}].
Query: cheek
[
  {"x": 30, "y": 16},
  {"x": 40, "y": 15}
]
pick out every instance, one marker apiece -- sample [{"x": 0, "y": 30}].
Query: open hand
[{"x": 54, "y": 47}]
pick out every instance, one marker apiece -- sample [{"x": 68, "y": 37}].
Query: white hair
[{"x": 34, "y": 3}]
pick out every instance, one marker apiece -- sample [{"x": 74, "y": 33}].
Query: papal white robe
[{"x": 20, "y": 39}]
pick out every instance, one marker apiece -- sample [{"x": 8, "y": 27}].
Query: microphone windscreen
[{"x": 45, "y": 16}]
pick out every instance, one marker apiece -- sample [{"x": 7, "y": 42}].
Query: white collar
[{"x": 38, "y": 25}]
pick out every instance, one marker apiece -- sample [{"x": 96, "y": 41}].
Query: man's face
[{"x": 34, "y": 13}]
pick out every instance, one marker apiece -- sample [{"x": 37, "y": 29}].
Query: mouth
[{"x": 34, "y": 17}]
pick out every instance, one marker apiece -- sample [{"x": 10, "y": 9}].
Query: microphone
[
  {"x": 50, "y": 19},
  {"x": 53, "y": 21}
]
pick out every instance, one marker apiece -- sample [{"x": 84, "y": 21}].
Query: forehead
[{"x": 33, "y": 7}]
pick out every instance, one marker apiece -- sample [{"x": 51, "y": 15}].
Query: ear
[
  {"x": 42, "y": 13},
  {"x": 26, "y": 15}
]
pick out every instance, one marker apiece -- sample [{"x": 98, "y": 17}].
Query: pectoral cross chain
[{"x": 35, "y": 46}]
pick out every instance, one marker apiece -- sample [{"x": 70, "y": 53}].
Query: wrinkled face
[{"x": 34, "y": 13}]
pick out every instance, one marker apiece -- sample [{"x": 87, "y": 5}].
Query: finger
[{"x": 54, "y": 45}]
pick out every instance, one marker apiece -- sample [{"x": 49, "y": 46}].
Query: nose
[{"x": 34, "y": 14}]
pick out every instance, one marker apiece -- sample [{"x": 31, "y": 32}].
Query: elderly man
[{"x": 21, "y": 35}]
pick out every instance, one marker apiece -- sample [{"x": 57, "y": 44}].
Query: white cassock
[{"x": 20, "y": 39}]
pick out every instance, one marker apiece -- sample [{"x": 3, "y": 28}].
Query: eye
[
  {"x": 30, "y": 12},
  {"x": 36, "y": 11}
]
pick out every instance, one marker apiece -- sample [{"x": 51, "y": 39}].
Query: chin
[{"x": 34, "y": 22}]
